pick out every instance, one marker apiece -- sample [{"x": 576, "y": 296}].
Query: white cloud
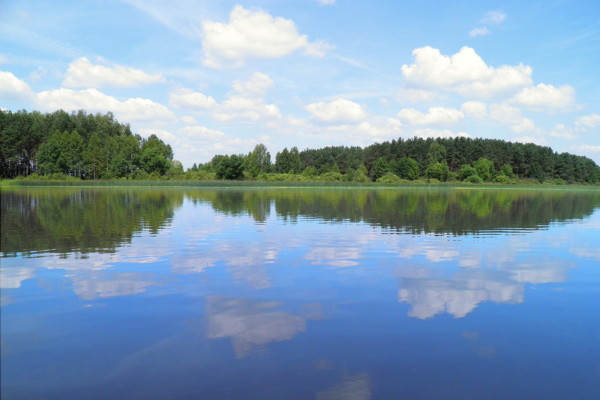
[
  {"x": 83, "y": 74},
  {"x": 245, "y": 102},
  {"x": 464, "y": 72},
  {"x": 236, "y": 107},
  {"x": 13, "y": 88},
  {"x": 326, "y": 2},
  {"x": 481, "y": 31},
  {"x": 512, "y": 117},
  {"x": 257, "y": 85},
  {"x": 474, "y": 109},
  {"x": 201, "y": 133},
  {"x": 546, "y": 97},
  {"x": 3, "y": 59},
  {"x": 187, "y": 98},
  {"x": 563, "y": 132},
  {"x": 408, "y": 96},
  {"x": 167, "y": 136},
  {"x": 493, "y": 17},
  {"x": 318, "y": 48},
  {"x": 435, "y": 115},
  {"x": 339, "y": 111},
  {"x": 586, "y": 148},
  {"x": 92, "y": 100},
  {"x": 188, "y": 119},
  {"x": 588, "y": 121},
  {"x": 252, "y": 34}
]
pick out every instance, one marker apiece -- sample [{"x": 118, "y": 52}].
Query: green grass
[{"x": 279, "y": 184}]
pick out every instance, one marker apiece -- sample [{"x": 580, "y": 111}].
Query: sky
[{"x": 218, "y": 77}]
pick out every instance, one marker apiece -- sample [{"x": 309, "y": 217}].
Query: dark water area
[{"x": 300, "y": 293}]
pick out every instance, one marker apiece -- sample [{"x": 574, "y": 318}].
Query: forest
[{"x": 86, "y": 146}]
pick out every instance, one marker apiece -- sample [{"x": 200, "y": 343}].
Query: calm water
[{"x": 300, "y": 294}]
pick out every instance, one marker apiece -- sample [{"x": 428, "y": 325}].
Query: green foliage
[
  {"x": 406, "y": 168},
  {"x": 288, "y": 161},
  {"x": 258, "y": 160},
  {"x": 438, "y": 170},
  {"x": 484, "y": 168},
  {"x": 501, "y": 178},
  {"x": 389, "y": 178},
  {"x": 507, "y": 170},
  {"x": 436, "y": 154},
  {"x": 380, "y": 168},
  {"x": 156, "y": 155},
  {"x": 466, "y": 171},
  {"x": 473, "y": 179},
  {"x": 230, "y": 167},
  {"x": 330, "y": 176},
  {"x": 309, "y": 172}
]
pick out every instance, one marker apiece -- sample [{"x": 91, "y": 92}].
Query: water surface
[{"x": 300, "y": 294}]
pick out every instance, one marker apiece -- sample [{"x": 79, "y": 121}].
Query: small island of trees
[{"x": 84, "y": 146}]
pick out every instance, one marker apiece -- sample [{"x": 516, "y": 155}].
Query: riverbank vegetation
[{"x": 81, "y": 146}]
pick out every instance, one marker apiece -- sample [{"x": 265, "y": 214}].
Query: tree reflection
[
  {"x": 456, "y": 212},
  {"x": 80, "y": 220}
]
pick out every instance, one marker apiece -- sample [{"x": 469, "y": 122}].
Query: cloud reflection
[
  {"x": 250, "y": 324},
  {"x": 352, "y": 387}
]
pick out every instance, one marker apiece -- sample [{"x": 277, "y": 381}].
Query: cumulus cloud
[
  {"x": 13, "y": 88},
  {"x": 407, "y": 96},
  {"x": 588, "y": 121},
  {"x": 257, "y": 85},
  {"x": 563, "y": 132},
  {"x": 464, "y": 72},
  {"x": 198, "y": 132},
  {"x": 187, "y": 98},
  {"x": 435, "y": 115},
  {"x": 133, "y": 109},
  {"x": 253, "y": 34},
  {"x": 474, "y": 109},
  {"x": 546, "y": 97},
  {"x": 511, "y": 117},
  {"x": 339, "y": 111},
  {"x": 252, "y": 109},
  {"x": 83, "y": 74},
  {"x": 244, "y": 102}
]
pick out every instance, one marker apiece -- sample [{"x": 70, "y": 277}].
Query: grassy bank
[{"x": 282, "y": 184}]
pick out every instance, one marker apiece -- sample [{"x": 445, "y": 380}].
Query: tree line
[
  {"x": 439, "y": 159},
  {"x": 81, "y": 145},
  {"x": 96, "y": 146}
]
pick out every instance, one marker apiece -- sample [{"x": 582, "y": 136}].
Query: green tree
[
  {"x": 438, "y": 170},
  {"x": 466, "y": 171},
  {"x": 380, "y": 168},
  {"x": 406, "y": 168},
  {"x": 436, "y": 154},
  {"x": 156, "y": 155},
  {"x": 230, "y": 167},
  {"x": 484, "y": 168}
]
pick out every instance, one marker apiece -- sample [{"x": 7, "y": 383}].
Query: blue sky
[{"x": 218, "y": 77}]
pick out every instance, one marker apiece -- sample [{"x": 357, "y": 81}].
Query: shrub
[
  {"x": 473, "y": 179},
  {"x": 389, "y": 178}
]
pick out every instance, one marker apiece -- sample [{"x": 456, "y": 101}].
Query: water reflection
[
  {"x": 352, "y": 387},
  {"x": 282, "y": 293},
  {"x": 250, "y": 324},
  {"x": 100, "y": 220},
  {"x": 80, "y": 220}
]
